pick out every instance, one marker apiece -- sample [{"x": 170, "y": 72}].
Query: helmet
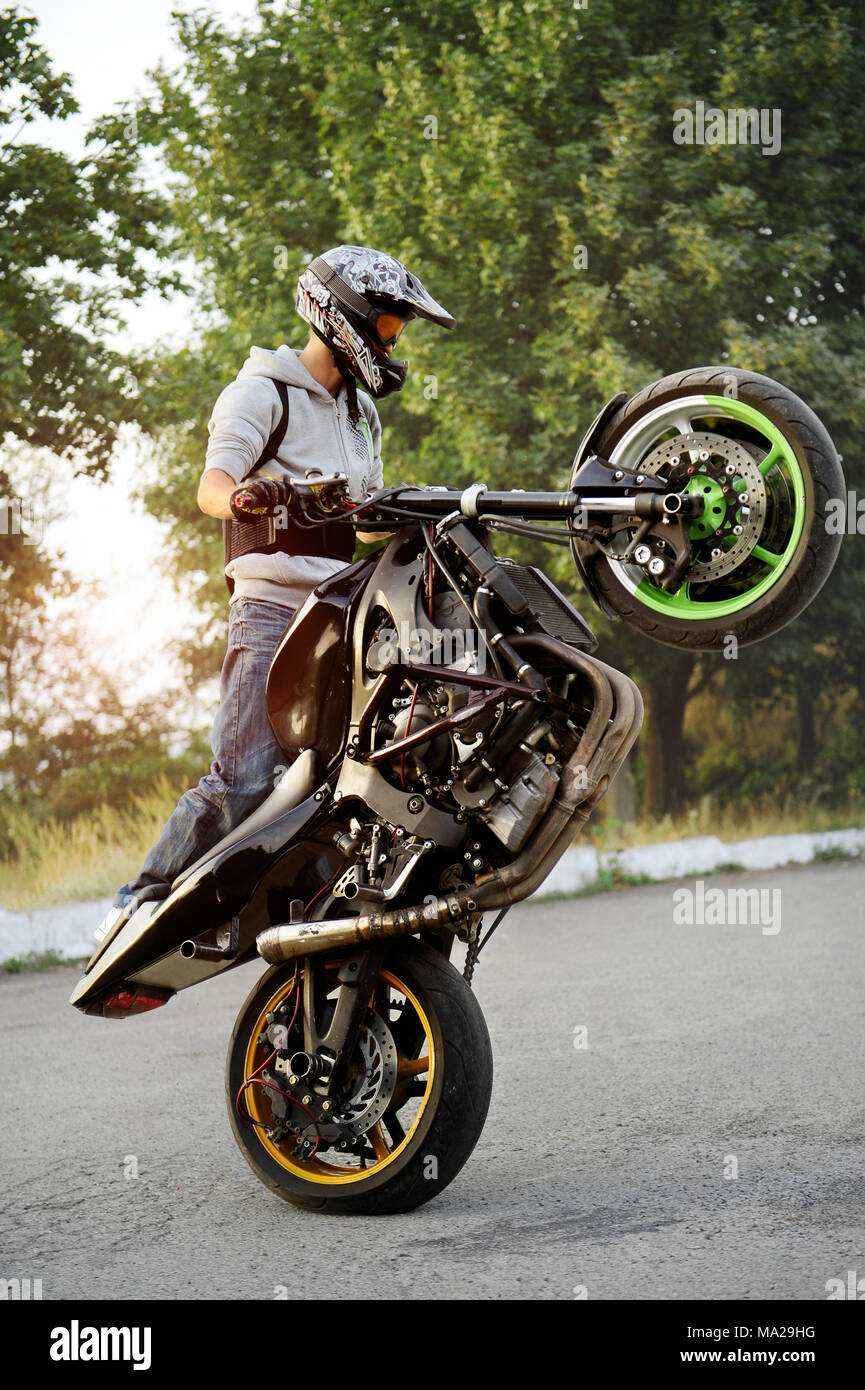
[{"x": 342, "y": 295}]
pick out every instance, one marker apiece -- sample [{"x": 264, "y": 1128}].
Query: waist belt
[{"x": 334, "y": 541}]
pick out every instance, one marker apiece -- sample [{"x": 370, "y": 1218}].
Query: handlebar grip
[
  {"x": 244, "y": 501},
  {"x": 259, "y": 498}
]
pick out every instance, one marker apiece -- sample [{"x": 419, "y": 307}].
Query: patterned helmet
[{"x": 343, "y": 294}]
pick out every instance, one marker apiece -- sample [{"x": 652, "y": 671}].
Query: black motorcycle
[{"x": 449, "y": 732}]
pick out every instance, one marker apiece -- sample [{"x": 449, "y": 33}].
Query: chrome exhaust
[{"x": 290, "y": 940}]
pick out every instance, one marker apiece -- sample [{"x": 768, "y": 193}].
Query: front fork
[{"x": 328, "y": 1054}]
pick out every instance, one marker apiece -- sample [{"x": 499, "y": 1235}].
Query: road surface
[{"x": 677, "y": 1113}]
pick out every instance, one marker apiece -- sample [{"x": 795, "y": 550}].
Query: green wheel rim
[{"x": 680, "y": 604}]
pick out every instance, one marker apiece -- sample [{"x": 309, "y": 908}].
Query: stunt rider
[{"x": 288, "y": 411}]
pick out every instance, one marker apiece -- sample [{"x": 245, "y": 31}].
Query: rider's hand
[{"x": 259, "y": 497}]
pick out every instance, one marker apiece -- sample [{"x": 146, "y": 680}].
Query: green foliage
[
  {"x": 38, "y": 962},
  {"x": 486, "y": 143},
  {"x": 70, "y": 261},
  {"x": 520, "y": 158},
  {"x": 77, "y": 239}
]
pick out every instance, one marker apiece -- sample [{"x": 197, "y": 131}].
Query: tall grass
[
  {"x": 92, "y": 855},
  {"x": 728, "y": 820},
  {"x": 87, "y": 857}
]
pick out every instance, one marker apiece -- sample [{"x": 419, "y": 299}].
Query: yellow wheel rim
[{"x": 315, "y": 1169}]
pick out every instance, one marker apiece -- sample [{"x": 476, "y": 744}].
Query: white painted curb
[
  {"x": 579, "y": 868},
  {"x": 68, "y": 928}
]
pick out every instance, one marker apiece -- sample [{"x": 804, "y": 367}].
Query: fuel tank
[{"x": 309, "y": 684}]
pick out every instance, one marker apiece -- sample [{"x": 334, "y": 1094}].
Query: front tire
[
  {"x": 440, "y": 1079},
  {"x": 747, "y": 587}
]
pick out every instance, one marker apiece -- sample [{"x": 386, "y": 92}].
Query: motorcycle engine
[{"x": 500, "y": 765}]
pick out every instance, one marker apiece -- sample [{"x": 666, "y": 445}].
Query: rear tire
[{"x": 445, "y": 1128}]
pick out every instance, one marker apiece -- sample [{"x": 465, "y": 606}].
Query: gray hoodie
[{"x": 319, "y": 435}]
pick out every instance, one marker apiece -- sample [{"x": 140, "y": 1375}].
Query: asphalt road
[{"x": 606, "y": 1167}]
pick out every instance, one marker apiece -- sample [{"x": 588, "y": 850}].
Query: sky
[{"x": 107, "y": 49}]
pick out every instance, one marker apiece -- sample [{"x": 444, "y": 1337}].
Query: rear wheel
[
  {"x": 414, "y": 1099},
  {"x": 765, "y": 467}
]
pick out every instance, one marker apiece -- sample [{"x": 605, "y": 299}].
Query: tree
[
  {"x": 522, "y": 158},
  {"x": 66, "y": 730},
  {"x": 75, "y": 237},
  {"x": 70, "y": 262}
]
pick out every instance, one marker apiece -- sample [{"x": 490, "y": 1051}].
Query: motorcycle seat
[{"x": 295, "y": 786}]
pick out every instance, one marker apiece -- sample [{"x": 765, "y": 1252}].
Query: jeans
[{"x": 247, "y": 760}]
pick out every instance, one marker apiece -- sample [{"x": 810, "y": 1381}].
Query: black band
[{"x": 344, "y": 292}]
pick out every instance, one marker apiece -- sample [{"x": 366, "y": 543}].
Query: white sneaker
[{"x": 109, "y": 921}]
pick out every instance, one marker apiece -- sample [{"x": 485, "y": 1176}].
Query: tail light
[{"x": 130, "y": 999}]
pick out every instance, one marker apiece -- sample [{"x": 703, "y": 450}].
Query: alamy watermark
[
  {"x": 18, "y": 1290},
  {"x": 24, "y": 517},
  {"x": 735, "y": 126},
  {"x": 728, "y": 907},
  {"x": 851, "y": 1288},
  {"x": 432, "y": 646},
  {"x": 845, "y": 516},
  {"x": 77, "y": 1343}
]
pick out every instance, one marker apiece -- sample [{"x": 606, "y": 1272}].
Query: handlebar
[
  {"x": 479, "y": 503},
  {"x": 319, "y": 499}
]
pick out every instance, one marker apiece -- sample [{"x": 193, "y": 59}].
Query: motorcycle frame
[{"x": 226, "y": 892}]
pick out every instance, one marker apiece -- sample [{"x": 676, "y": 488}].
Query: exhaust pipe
[
  {"x": 290, "y": 940},
  {"x": 198, "y": 950},
  {"x": 611, "y": 730}
]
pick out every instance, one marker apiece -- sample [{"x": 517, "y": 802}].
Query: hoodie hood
[{"x": 284, "y": 363}]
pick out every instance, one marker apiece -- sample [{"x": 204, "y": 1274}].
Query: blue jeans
[{"x": 247, "y": 760}]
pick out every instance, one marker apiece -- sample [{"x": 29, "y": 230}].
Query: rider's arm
[
  {"x": 241, "y": 440},
  {"x": 214, "y": 492}
]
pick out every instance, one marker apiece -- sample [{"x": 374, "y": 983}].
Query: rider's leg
[{"x": 247, "y": 760}]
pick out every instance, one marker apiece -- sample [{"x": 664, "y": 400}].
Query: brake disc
[
  {"x": 732, "y": 521},
  {"x": 374, "y": 1085}
]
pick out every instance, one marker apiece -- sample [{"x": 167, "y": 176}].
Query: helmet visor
[{"x": 388, "y": 328}]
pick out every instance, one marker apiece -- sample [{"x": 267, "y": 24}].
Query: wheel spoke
[
  {"x": 377, "y": 1139},
  {"x": 770, "y": 460},
  {"x": 767, "y": 556},
  {"x": 394, "y": 1128},
  {"x": 682, "y": 424},
  {"x": 408, "y": 1035},
  {"x": 411, "y": 1066}
]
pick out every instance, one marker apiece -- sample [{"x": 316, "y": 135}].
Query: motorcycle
[{"x": 449, "y": 731}]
